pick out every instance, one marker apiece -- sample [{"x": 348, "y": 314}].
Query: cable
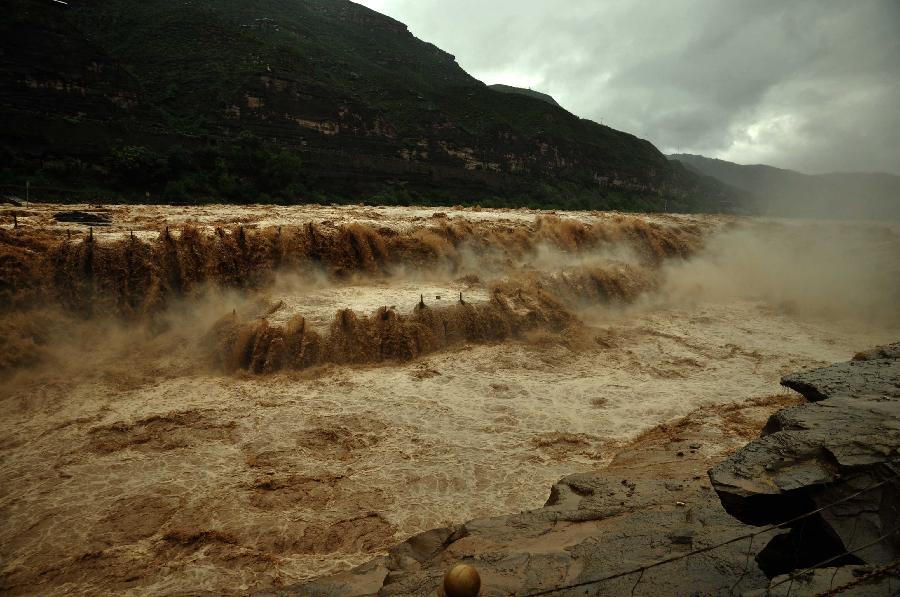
[
  {"x": 833, "y": 558},
  {"x": 709, "y": 548},
  {"x": 882, "y": 571}
]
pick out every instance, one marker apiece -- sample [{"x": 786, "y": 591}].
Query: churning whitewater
[{"x": 229, "y": 399}]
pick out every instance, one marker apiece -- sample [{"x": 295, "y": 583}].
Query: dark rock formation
[
  {"x": 871, "y": 374},
  {"x": 82, "y": 217},
  {"x": 841, "y": 448}
]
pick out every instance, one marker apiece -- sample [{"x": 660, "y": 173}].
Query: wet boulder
[{"x": 839, "y": 453}]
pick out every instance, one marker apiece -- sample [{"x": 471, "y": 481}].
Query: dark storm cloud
[{"x": 807, "y": 84}]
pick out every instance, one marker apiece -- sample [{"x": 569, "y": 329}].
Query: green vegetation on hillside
[
  {"x": 294, "y": 100},
  {"x": 526, "y": 92}
]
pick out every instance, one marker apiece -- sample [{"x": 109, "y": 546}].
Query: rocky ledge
[
  {"x": 841, "y": 452},
  {"x": 652, "y": 523}
]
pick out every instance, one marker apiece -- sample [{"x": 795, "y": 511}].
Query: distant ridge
[
  {"x": 526, "y": 92},
  {"x": 786, "y": 192}
]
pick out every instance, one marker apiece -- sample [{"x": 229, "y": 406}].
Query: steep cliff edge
[
  {"x": 839, "y": 453},
  {"x": 326, "y": 97}
]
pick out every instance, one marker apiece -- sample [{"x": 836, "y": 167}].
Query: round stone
[{"x": 462, "y": 581}]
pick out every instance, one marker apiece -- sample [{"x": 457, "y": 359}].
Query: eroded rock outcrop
[{"x": 842, "y": 448}]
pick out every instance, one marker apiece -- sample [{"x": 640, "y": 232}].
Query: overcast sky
[{"x": 812, "y": 85}]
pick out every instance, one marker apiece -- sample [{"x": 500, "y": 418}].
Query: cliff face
[
  {"x": 49, "y": 67},
  {"x": 366, "y": 106},
  {"x": 57, "y": 90}
]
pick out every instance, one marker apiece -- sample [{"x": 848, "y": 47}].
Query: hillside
[
  {"x": 526, "y": 92},
  {"x": 786, "y": 192},
  {"x": 293, "y": 100}
]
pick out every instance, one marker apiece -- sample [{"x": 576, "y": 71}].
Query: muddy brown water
[{"x": 130, "y": 462}]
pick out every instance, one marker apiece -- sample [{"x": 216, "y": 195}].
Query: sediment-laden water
[{"x": 227, "y": 399}]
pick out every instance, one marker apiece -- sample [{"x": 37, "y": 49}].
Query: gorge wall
[{"x": 319, "y": 98}]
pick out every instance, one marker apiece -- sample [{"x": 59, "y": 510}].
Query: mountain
[
  {"x": 526, "y": 92},
  {"x": 786, "y": 192},
  {"x": 293, "y": 100}
]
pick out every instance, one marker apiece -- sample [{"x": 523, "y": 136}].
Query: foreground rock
[
  {"x": 652, "y": 503},
  {"x": 840, "y": 447}
]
